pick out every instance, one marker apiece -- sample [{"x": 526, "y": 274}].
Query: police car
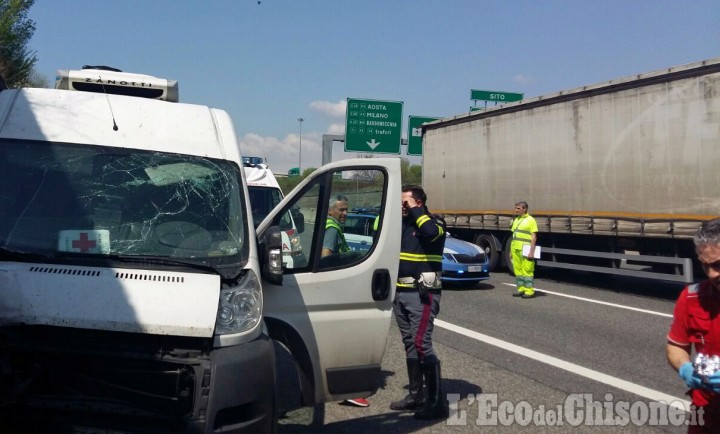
[{"x": 462, "y": 263}]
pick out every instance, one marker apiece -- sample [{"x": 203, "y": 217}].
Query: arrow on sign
[{"x": 373, "y": 144}]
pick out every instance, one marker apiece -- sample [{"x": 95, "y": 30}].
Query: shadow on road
[{"x": 482, "y": 286}]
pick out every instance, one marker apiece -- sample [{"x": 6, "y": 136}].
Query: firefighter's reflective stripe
[{"x": 417, "y": 257}]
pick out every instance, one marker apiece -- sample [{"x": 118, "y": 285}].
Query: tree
[
  {"x": 290, "y": 182},
  {"x": 16, "y": 29},
  {"x": 410, "y": 173}
]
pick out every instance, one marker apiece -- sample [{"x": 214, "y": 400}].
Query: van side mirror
[
  {"x": 299, "y": 219},
  {"x": 270, "y": 248}
]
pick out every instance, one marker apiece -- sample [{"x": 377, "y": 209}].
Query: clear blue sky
[{"x": 268, "y": 64}]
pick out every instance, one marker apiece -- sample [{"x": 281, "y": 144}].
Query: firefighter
[
  {"x": 417, "y": 302},
  {"x": 524, "y": 232}
]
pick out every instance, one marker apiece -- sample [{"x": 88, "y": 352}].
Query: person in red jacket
[{"x": 696, "y": 323}]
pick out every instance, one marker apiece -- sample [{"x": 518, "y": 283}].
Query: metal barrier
[{"x": 686, "y": 263}]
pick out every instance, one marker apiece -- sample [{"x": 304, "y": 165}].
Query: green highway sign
[
  {"x": 373, "y": 126},
  {"x": 415, "y": 133},
  {"x": 491, "y": 95}
]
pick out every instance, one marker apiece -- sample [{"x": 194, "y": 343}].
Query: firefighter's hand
[
  {"x": 410, "y": 203},
  {"x": 689, "y": 376}
]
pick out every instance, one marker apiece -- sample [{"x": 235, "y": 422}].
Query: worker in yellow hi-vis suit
[{"x": 524, "y": 231}]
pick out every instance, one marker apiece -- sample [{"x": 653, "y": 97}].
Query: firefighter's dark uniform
[{"x": 423, "y": 240}]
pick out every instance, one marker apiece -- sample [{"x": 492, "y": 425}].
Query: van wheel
[{"x": 489, "y": 243}]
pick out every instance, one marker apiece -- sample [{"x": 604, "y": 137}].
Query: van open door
[{"x": 333, "y": 311}]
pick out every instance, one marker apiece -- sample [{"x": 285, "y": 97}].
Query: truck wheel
[
  {"x": 489, "y": 244},
  {"x": 508, "y": 257}
]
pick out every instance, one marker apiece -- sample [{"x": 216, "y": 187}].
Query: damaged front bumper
[{"x": 55, "y": 379}]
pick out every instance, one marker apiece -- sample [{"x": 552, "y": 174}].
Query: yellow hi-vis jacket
[{"x": 522, "y": 229}]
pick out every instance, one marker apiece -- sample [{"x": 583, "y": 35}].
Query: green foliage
[
  {"x": 290, "y": 182},
  {"x": 410, "y": 173},
  {"x": 16, "y": 29}
]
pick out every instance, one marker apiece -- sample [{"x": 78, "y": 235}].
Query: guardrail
[{"x": 686, "y": 276}]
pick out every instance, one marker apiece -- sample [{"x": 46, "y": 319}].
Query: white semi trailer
[{"x": 618, "y": 174}]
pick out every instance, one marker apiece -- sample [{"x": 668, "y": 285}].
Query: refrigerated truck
[
  {"x": 619, "y": 175},
  {"x": 137, "y": 294}
]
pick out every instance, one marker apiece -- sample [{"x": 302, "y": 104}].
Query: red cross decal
[{"x": 84, "y": 244}]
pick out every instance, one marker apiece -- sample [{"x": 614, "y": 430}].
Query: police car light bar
[{"x": 117, "y": 83}]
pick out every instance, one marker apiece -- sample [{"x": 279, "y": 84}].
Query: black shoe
[
  {"x": 412, "y": 402},
  {"x": 527, "y": 296},
  {"x": 518, "y": 294}
]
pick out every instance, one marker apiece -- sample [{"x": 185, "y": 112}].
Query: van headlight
[{"x": 240, "y": 306}]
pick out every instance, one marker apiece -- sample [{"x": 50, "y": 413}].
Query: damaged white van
[{"x": 136, "y": 294}]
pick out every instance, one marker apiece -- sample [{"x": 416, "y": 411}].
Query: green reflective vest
[
  {"x": 522, "y": 229},
  {"x": 342, "y": 245}
]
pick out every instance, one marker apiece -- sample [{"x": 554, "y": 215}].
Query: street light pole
[{"x": 300, "y": 153}]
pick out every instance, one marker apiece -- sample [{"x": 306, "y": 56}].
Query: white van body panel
[
  {"x": 261, "y": 176},
  {"x": 112, "y": 299},
  {"x": 142, "y": 123}
]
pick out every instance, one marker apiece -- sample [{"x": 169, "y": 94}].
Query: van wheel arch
[{"x": 285, "y": 334}]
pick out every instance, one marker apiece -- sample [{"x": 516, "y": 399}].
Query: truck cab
[{"x": 137, "y": 293}]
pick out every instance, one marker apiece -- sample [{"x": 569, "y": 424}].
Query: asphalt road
[{"x": 589, "y": 335}]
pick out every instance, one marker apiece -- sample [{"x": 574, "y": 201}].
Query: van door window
[{"x": 332, "y": 218}]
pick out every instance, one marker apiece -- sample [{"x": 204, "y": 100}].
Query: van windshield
[
  {"x": 85, "y": 200},
  {"x": 262, "y": 201}
]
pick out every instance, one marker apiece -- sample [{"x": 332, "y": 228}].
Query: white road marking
[
  {"x": 570, "y": 367},
  {"x": 590, "y": 300}
]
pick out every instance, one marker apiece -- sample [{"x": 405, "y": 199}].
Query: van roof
[{"x": 53, "y": 115}]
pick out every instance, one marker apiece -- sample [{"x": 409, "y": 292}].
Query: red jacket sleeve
[{"x": 678, "y": 330}]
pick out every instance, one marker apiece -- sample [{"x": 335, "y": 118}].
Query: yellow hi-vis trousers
[{"x": 524, "y": 270}]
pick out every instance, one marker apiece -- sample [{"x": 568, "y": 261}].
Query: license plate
[{"x": 472, "y": 268}]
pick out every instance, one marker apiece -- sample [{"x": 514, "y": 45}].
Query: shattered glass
[{"x": 79, "y": 199}]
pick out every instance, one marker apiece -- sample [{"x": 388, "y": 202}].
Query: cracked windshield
[{"x": 105, "y": 201}]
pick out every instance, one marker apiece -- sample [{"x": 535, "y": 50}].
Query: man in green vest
[
  {"x": 524, "y": 232},
  {"x": 334, "y": 240}
]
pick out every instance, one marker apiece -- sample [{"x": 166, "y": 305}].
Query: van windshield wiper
[
  {"x": 162, "y": 261},
  {"x": 6, "y": 253}
]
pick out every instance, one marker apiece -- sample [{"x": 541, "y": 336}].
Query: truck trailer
[{"x": 619, "y": 175}]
